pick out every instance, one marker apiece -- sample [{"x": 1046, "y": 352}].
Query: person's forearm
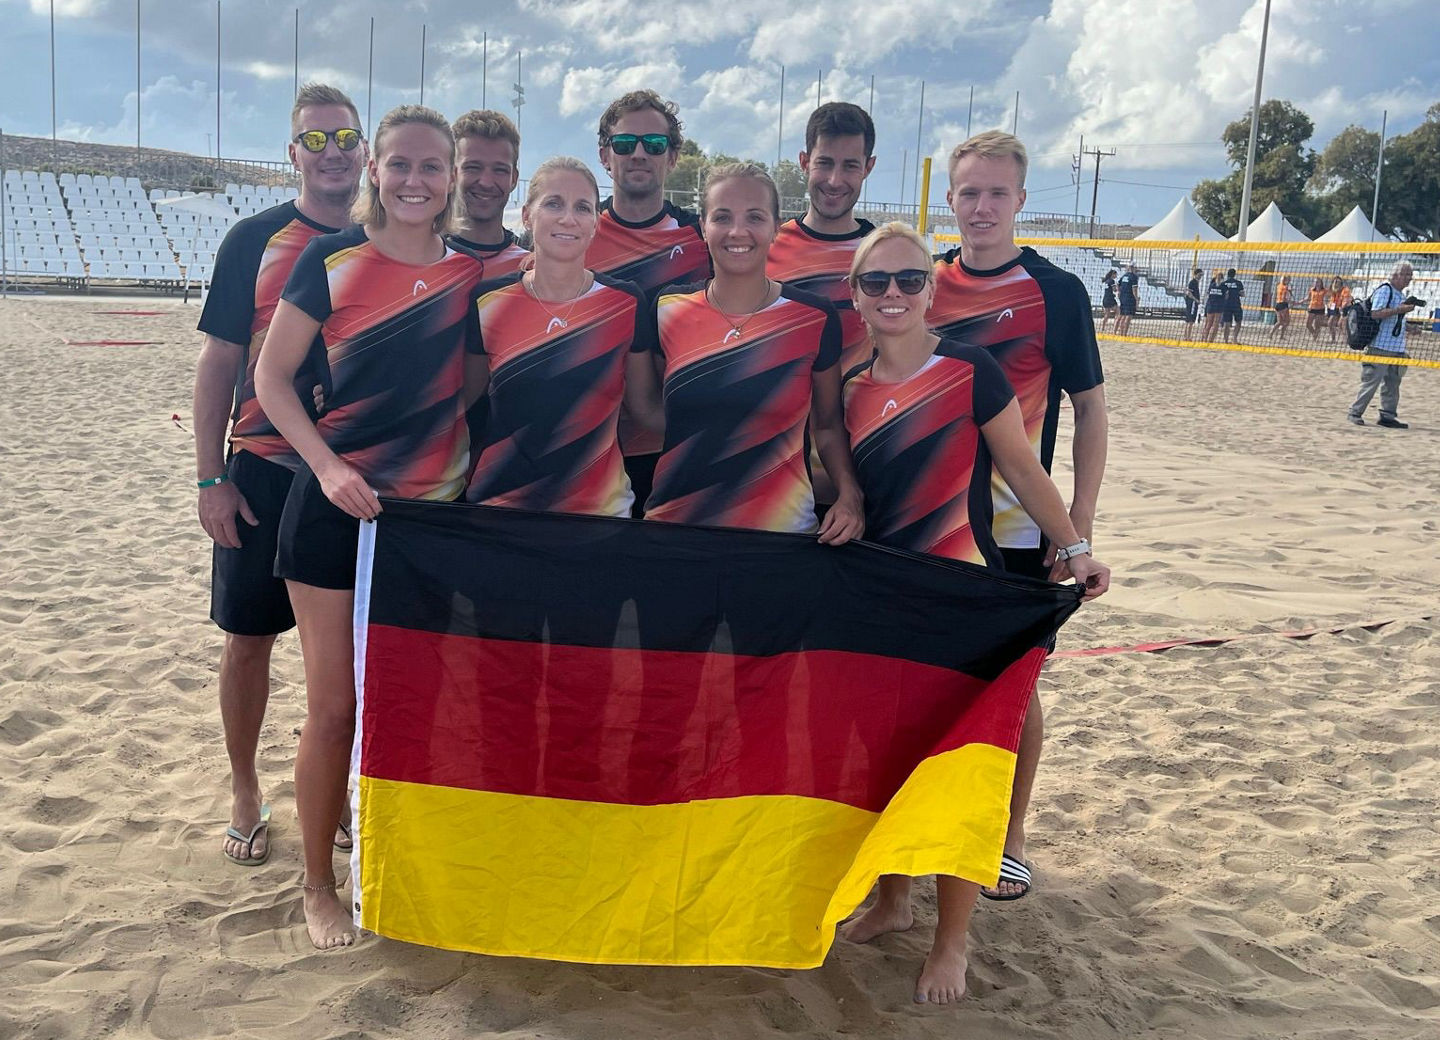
[
  {"x": 210, "y": 408},
  {"x": 1088, "y": 454},
  {"x": 832, "y": 444}
]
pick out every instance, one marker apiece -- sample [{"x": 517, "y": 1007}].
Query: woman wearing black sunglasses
[{"x": 926, "y": 418}]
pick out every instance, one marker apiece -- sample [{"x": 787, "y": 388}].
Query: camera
[{"x": 1416, "y": 301}]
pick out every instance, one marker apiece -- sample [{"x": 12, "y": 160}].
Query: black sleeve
[
  {"x": 991, "y": 392},
  {"x": 308, "y": 286},
  {"x": 651, "y": 326},
  {"x": 1070, "y": 332},
  {"x": 230, "y": 305}
]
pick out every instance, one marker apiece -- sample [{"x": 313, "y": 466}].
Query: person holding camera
[{"x": 1389, "y": 306}]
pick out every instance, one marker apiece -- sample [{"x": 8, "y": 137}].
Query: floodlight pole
[
  {"x": 780, "y": 122},
  {"x": 970, "y": 112},
  {"x": 1379, "y": 165},
  {"x": 54, "y": 134},
  {"x": 370, "y": 78},
  {"x": 919, "y": 134},
  {"x": 4, "y": 264},
  {"x": 1254, "y": 129},
  {"x": 484, "y": 66},
  {"x": 137, "y": 80},
  {"x": 423, "y": 29}
]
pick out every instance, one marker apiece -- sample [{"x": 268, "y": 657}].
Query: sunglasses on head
[
  {"x": 910, "y": 281},
  {"x": 654, "y": 144},
  {"x": 346, "y": 139}
]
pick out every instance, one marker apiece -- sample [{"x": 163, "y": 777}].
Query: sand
[{"x": 1229, "y": 842}]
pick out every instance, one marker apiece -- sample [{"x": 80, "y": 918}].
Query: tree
[
  {"x": 1283, "y": 168},
  {"x": 790, "y": 179},
  {"x": 1410, "y": 183}
]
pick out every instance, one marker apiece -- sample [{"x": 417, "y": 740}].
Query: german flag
[{"x": 612, "y": 741}]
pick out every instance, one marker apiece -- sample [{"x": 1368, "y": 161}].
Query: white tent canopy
[
  {"x": 1355, "y": 227},
  {"x": 1271, "y": 226},
  {"x": 1182, "y": 224}
]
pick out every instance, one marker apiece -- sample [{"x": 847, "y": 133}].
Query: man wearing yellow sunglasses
[{"x": 242, "y": 492}]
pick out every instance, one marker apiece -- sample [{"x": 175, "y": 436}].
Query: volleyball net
[{"x": 1294, "y": 292}]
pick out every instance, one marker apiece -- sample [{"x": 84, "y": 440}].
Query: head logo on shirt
[
  {"x": 419, "y": 284},
  {"x": 890, "y": 406},
  {"x": 1006, "y": 313},
  {"x": 677, "y": 251}
]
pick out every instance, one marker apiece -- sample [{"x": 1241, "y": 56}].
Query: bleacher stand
[
  {"x": 79, "y": 229},
  {"x": 39, "y": 239}
]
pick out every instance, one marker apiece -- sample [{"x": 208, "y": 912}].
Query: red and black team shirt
[
  {"x": 395, "y": 337},
  {"x": 1035, "y": 320},
  {"x": 557, "y": 377},
  {"x": 652, "y": 254},
  {"x": 737, "y": 410},
  {"x": 820, "y": 264},
  {"x": 250, "y": 272},
  {"x": 921, "y": 458},
  {"x": 500, "y": 258}
]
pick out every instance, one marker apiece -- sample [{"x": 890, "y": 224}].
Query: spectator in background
[
  {"x": 1192, "y": 303},
  {"x": 1232, "y": 307},
  {"x": 1107, "y": 302},
  {"x": 1129, "y": 291},
  {"x": 1315, "y": 309},
  {"x": 1214, "y": 304},
  {"x": 1388, "y": 306},
  {"x": 1282, "y": 308},
  {"x": 1339, "y": 300}
]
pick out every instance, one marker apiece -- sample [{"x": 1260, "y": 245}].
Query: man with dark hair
[
  {"x": 1128, "y": 288},
  {"x": 641, "y": 237},
  {"x": 487, "y": 168},
  {"x": 813, "y": 252},
  {"x": 241, "y": 497},
  {"x": 1231, "y": 308},
  {"x": 1192, "y": 303}
]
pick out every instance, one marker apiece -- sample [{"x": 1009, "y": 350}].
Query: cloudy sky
[{"x": 1155, "y": 80}]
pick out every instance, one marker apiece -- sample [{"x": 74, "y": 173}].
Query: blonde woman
[
  {"x": 926, "y": 419},
  {"x": 389, "y": 301}
]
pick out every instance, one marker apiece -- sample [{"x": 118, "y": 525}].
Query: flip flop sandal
[
  {"x": 235, "y": 833},
  {"x": 1015, "y": 872},
  {"x": 349, "y": 838}
]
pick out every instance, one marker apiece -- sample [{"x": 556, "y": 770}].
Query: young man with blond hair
[
  {"x": 642, "y": 238},
  {"x": 242, "y": 492},
  {"x": 1036, "y": 320}
]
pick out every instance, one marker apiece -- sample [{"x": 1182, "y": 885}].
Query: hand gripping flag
[{"x": 613, "y": 741}]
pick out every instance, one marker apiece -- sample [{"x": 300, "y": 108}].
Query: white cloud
[{"x": 589, "y": 90}]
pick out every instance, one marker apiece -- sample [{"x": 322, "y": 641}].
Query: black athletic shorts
[
  {"x": 1127, "y": 306},
  {"x": 1192, "y": 309},
  {"x": 1230, "y": 317},
  {"x": 1315, "y": 310},
  {"x": 641, "y": 471},
  {"x": 1109, "y": 300},
  {"x": 1028, "y": 563},
  {"x": 246, "y": 599},
  {"x": 1281, "y": 306},
  {"x": 318, "y": 539}
]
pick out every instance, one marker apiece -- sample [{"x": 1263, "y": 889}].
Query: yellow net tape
[{"x": 1294, "y": 292}]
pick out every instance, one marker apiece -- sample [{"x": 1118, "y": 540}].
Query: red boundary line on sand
[
  {"x": 1170, "y": 644},
  {"x": 143, "y": 314},
  {"x": 112, "y": 342}
]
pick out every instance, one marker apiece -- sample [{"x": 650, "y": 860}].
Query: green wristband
[{"x": 221, "y": 479}]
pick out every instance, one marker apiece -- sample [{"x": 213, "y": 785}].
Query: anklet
[{"x": 319, "y": 888}]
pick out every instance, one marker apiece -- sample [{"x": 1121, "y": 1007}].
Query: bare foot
[
  {"x": 250, "y": 820},
  {"x": 882, "y": 917},
  {"x": 1015, "y": 848},
  {"x": 326, "y": 919},
  {"x": 942, "y": 979}
]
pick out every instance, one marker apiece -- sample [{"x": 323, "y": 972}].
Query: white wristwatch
[{"x": 1080, "y": 548}]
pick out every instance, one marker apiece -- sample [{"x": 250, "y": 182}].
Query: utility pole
[
  {"x": 423, "y": 28},
  {"x": 919, "y": 143},
  {"x": 819, "y": 81},
  {"x": 370, "y": 79},
  {"x": 1015, "y": 123},
  {"x": 484, "y": 66},
  {"x": 1095, "y": 195}
]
